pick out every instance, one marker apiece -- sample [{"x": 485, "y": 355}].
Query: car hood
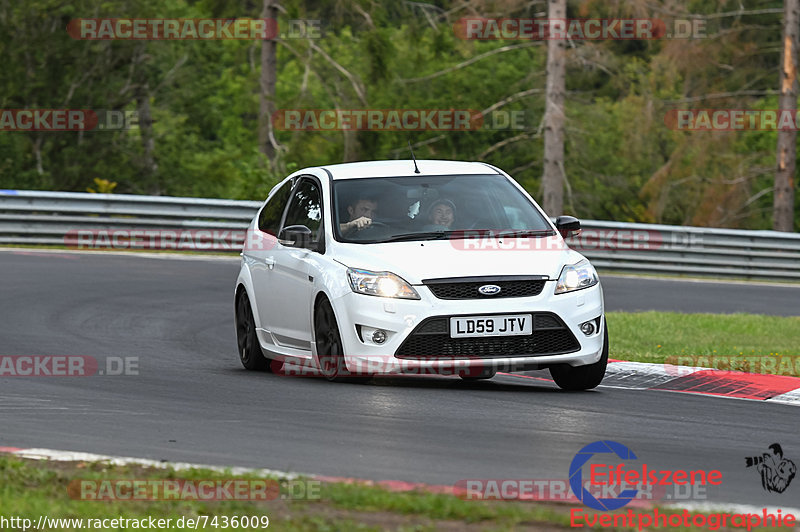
[{"x": 431, "y": 259}]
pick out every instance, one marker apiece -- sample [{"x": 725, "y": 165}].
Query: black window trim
[
  {"x": 283, "y": 213},
  {"x": 321, "y": 247}
]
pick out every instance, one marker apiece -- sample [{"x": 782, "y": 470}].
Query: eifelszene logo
[
  {"x": 620, "y": 479},
  {"x": 776, "y": 471},
  {"x": 576, "y": 475}
]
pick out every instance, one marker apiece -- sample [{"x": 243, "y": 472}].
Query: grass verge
[
  {"x": 31, "y": 489},
  {"x": 747, "y": 342}
]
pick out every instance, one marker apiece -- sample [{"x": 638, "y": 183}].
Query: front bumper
[{"x": 402, "y": 321}]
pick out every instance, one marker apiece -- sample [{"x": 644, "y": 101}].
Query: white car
[{"x": 416, "y": 267}]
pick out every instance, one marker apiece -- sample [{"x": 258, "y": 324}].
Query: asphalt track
[{"x": 192, "y": 401}]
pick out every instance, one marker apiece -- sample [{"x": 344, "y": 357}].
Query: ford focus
[{"x": 416, "y": 267}]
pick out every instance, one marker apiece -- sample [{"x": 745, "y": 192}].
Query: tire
[
  {"x": 577, "y": 378},
  {"x": 330, "y": 352},
  {"x": 250, "y": 354}
]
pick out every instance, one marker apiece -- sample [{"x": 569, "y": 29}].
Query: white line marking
[
  {"x": 76, "y": 456},
  {"x": 699, "y": 280},
  {"x": 789, "y": 398}
]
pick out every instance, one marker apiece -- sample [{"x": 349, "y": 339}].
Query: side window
[
  {"x": 306, "y": 208},
  {"x": 269, "y": 220}
]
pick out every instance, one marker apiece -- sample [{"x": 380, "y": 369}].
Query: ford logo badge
[{"x": 489, "y": 289}]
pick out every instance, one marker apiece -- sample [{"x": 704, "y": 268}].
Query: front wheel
[
  {"x": 575, "y": 378},
  {"x": 249, "y": 351},
  {"x": 329, "y": 344}
]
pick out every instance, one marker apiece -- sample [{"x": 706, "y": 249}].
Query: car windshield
[{"x": 392, "y": 209}]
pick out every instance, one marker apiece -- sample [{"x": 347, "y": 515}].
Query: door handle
[{"x": 270, "y": 262}]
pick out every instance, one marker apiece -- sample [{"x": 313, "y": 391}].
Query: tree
[
  {"x": 553, "y": 177},
  {"x": 269, "y": 66},
  {"x": 783, "y": 202}
]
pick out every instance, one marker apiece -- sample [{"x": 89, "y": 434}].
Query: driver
[{"x": 361, "y": 213}]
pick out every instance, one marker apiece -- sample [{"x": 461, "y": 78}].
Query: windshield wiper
[
  {"x": 469, "y": 233},
  {"x": 494, "y": 233},
  {"x": 424, "y": 235},
  {"x": 526, "y": 232}
]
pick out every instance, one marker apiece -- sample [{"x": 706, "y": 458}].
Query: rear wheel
[
  {"x": 586, "y": 377},
  {"x": 250, "y": 354}
]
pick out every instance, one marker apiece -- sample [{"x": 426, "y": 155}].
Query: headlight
[
  {"x": 381, "y": 284},
  {"x": 576, "y": 277}
]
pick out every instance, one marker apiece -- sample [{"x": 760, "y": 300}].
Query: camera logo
[{"x": 776, "y": 471}]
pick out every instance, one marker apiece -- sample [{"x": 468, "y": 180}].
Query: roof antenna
[{"x": 416, "y": 169}]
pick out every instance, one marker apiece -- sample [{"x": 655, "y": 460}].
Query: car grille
[
  {"x": 431, "y": 340},
  {"x": 468, "y": 288}
]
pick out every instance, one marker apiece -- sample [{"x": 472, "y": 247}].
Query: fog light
[
  {"x": 379, "y": 336},
  {"x": 587, "y": 328}
]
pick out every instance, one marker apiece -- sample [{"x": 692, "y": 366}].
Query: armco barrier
[
  {"x": 46, "y": 218},
  {"x": 668, "y": 249}
]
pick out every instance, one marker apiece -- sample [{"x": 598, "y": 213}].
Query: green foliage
[
  {"x": 102, "y": 186},
  {"x": 622, "y": 161}
]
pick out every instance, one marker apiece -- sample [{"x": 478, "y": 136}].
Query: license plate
[{"x": 508, "y": 325}]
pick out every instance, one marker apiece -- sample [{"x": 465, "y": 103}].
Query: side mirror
[
  {"x": 297, "y": 236},
  {"x": 568, "y": 226}
]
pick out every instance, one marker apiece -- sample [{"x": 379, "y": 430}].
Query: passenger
[{"x": 441, "y": 216}]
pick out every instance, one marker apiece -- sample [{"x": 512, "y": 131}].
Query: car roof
[{"x": 397, "y": 168}]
